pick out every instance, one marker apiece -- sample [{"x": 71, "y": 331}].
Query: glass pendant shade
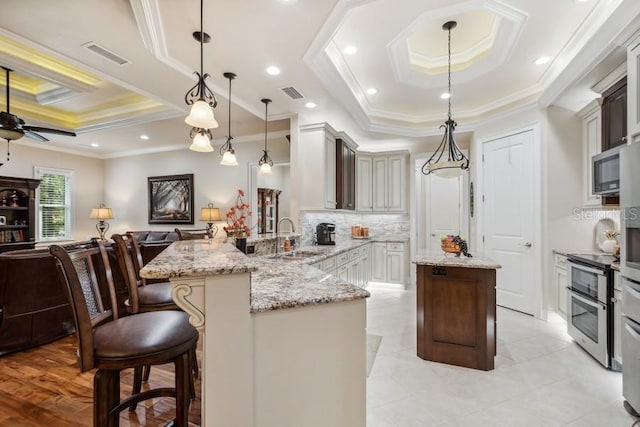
[
  {"x": 448, "y": 169},
  {"x": 201, "y": 143},
  {"x": 201, "y": 116},
  {"x": 10, "y": 134},
  {"x": 265, "y": 169},
  {"x": 229, "y": 158}
]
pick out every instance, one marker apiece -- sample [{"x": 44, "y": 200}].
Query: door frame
[
  {"x": 415, "y": 201},
  {"x": 537, "y": 239}
]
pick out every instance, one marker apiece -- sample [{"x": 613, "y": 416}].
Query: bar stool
[{"x": 111, "y": 343}]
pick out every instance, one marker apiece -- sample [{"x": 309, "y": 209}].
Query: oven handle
[
  {"x": 587, "y": 269},
  {"x": 632, "y": 332},
  {"x": 586, "y": 301}
]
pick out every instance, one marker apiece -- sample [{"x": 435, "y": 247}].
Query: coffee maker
[{"x": 326, "y": 233}]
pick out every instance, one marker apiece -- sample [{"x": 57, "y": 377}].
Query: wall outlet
[{"x": 251, "y": 249}]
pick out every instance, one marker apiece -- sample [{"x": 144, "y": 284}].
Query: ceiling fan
[{"x": 13, "y": 127}]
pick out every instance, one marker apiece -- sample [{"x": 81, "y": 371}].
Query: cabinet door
[
  {"x": 379, "y": 265},
  {"x": 633, "y": 91},
  {"x": 365, "y": 270},
  {"x": 395, "y": 267},
  {"x": 364, "y": 184},
  {"x": 330, "y": 173},
  {"x": 396, "y": 183},
  {"x": 561, "y": 286},
  {"x": 344, "y": 273},
  {"x": 617, "y": 326},
  {"x": 351, "y": 194},
  {"x": 592, "y": 136},
  {"x": 380, "y": 184},
  {"x": 354, "y": 274},
  {"x": 614, "y": 116}
]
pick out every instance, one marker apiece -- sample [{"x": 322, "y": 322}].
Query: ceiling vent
[
  {"x": 106, "y": 53},
  {"x": 292, "y": 92}
]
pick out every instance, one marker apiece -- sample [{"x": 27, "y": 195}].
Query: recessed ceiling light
[
  {"x": 542, "y": 60},
  {"x": 372, "y": 91},
  {"x": 145, "y": 137},
  {"x": 350, "y": 50},
  {"x": 273, "y": 70},
  {"x": 95, "y": 145},
  {"x": 445, "y": 95},
  {"x": 311, "y": 105}
]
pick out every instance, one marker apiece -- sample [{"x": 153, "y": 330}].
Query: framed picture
[{"x": 171, "y": 199}]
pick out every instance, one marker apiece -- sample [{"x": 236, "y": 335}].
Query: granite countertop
[
  {"x": 565, "y": 252},
  {"x": 198, "y": 258},
  {"x": 439, "y": 258},
  {"x": 275, "y": 283}
]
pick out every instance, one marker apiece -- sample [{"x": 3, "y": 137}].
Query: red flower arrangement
[{"x": 236, "y": 218}]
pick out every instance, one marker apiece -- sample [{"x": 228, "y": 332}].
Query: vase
[
  {"x": 241, "y": 244},
  {"x": 609, "y": 246}
]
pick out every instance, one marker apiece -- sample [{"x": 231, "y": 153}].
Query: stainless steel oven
[{"x": 589, "y": 310}]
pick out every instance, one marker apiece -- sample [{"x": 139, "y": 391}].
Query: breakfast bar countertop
[
  {"x": 440, "y": 259},
  {"x": 275, "y": 283}
]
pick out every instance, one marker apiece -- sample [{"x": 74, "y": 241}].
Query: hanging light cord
[
  {"x": 201, "y": 92},
  {"x": 449, "y": 73},
  {"x": 266, "y": 110},
  {"x": 227, "y": 145}
]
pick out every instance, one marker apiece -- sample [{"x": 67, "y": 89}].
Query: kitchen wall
[
  {"x": 88, "y": 178},
  {"x": 126, "y": 181},
  {"x": 395, "y": 225}
]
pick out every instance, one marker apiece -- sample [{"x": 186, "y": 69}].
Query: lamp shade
[
  {"x": 265, "y": 169},
  {"x": 11, "y": 134},
  {"x": 201, "y": 116},
  {"x": 201, "y": 143},
  {"x": 101, "y": 213},
  {"x": 209, "y": 214},
  {"x": 229, "y": 158}
]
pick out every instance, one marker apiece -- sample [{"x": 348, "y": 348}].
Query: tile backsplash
[{"x": 396, "y": 225}]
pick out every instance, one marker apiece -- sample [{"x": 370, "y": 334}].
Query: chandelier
[
  {"x": 455, "y": 162},
  {"x": 265, "y": 161},
  {"x": 200, "y": 97}
]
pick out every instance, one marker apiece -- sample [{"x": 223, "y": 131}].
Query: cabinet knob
[{"x": 528, "y": 245}]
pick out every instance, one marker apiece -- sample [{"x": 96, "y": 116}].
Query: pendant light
[
  {"x": 456, "y": 162},
  {"x": 201, "y": 140},
  {"x": 228, "y": 154},
  {"x": 265, "y": 161},
  {"x": 200, "y": 97}
]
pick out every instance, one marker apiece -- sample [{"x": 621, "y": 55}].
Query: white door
[
  {"x": 440, "y": 209},
  {"x": 509, "y": 228}
]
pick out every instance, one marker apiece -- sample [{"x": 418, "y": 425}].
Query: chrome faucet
[{"x": 293, "y": 230}]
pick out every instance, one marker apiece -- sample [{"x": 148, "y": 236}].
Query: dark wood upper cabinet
[
  {"x": 17, "y": 213},
  {"x": 345, "y": 176},
  {"x": 614, "y": 115}
]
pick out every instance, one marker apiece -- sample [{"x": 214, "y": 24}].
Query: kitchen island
[
  {"x": 456, "y": 310},
  {"x": 283, "y": 342}
]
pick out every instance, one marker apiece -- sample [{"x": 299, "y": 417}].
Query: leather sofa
[{"x": 153, "y": 242}]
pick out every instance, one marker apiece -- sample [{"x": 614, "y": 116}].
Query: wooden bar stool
[{"x": 111, "y": 344}]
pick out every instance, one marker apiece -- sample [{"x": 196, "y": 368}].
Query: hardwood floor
[{"x": 44, "y": 387}]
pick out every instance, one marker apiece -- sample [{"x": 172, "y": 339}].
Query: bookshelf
[{"x": 17, "y": 213}]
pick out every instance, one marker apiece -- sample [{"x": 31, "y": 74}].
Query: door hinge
[
  {"x": 483, "y": 198},
  {"x": 483, "y": 157},
  {"x": 482, "y": 239}
]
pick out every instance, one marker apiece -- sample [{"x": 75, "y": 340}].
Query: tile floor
[{"x": 542, "y": 378}]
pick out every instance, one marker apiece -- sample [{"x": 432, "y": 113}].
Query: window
[{"x": 54, "y": 204}]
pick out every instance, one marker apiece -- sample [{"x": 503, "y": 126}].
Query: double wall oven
[{"x": 590, "y": 305}]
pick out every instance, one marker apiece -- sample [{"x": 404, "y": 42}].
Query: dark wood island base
[{"x": 456, "y": 315}]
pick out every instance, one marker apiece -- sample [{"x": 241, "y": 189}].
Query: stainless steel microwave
[{"x": 606, "y": 172}]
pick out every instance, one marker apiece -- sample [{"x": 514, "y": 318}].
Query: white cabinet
[
  {"x": 633, "y": 91},
  {"x": 388, "y": 262},
  {"x": 379, "y": 259},
  {"x": 381, "y": 184},
  {"x": 364, "y": 193},
  {"x": 330, "y": 172},
  {"x": 591, "y": 145},
  {"x": 351, "y": 266},
  {"x": 617, "y": 321},
  {"x": 561, "y": 282}
]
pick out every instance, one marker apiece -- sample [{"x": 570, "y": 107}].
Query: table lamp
[
  {"x": 101, "y": 213},
  {"x": 208, "y": 215}
]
